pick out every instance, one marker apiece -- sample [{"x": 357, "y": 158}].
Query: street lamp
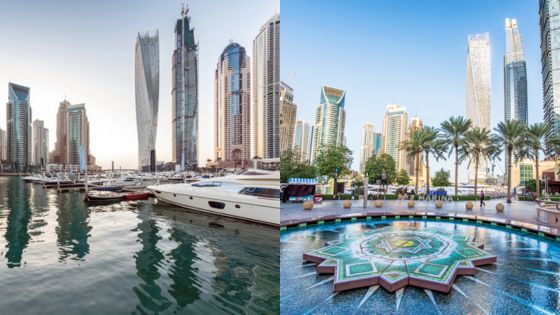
[{"x": 384, "y": 181}]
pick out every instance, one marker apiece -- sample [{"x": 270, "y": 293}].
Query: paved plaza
[{"x": 518, "y": 210}]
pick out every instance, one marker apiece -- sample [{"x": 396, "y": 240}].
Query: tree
[
  {"x": 432, "y": 144},
  {"x": 453, "y": 130},
  {"x": 441, "y": 178},
  {"x": 476, "y": 148},
  {"x": 402, "y": 178},
  {"x": 414, "y": 149},
  {"x": 509, "y": 134},
  {"x": 375, "y": 166},
  {"x": 534, "y": 143},
  {"x": 333, "y": 161},
  {"x": 292, "y": 167}
]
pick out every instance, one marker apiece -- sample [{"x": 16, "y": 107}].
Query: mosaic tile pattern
[{"x": 395, "y": 257}]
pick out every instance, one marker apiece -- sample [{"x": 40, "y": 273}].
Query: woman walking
[{"x": 482, "y": 203}]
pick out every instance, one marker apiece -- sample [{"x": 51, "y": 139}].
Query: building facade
[
  {"x": 232, "y": 106},
  {"x": 59, "y": 154},
  {"x": 19, "y": 127},
  {"x": 288, "y": 111},
  {"x": 184, "y": 95},
  {"x": 377, "y": 143},
  {"x": 303, "y": 139},
  {"x": 77, "y": 133},
  {"x": 40, "y": 150},
  {"x": 515, "y": 75},
  {"x": 146, "y": 74},
  {"x": 330, "y": 119},
  {"x": 3, "y": 145},
  {"x": 266, "y": 90},
  {"x": 549, "y": 12},
  {"x": 478, "y": 89},
  {"x": 368, "y": 143},
  {"x": 394, "y": 132}
]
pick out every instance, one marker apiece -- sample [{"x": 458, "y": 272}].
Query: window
[{"x": 261, "y": 192}]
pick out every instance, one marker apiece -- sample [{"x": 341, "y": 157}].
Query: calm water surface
[{"x": 59, "y": 256}]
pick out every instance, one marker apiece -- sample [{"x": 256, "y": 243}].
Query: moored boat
[
  {"x": 104, "y": 196},
  {"x": 137, "y": 195}
]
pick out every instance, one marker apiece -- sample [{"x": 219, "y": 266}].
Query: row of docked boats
[{"x": 105, "y": 196}]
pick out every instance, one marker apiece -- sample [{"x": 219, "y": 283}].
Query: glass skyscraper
[
  {"x": 515, "y": 75},
  {"x": 549, "y": 11},
  {"x": 232, "y": 107},
  {"x": 146, "y": 73},
  {"x": 40, "y": 143},
  {"x": 330, "y": 119},
  {"x": 266, "y": 90},
  {"x": 368, "y": 142},
  {"x": 394, "y": 133},
  {"x": 288, "y": 110},
  {"x": 303, "y": 139},
  {"x": 18, "y": 116},
  {"x": 184, "y": 94}
]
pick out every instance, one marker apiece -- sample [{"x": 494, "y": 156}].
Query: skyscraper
[
  {"x": 232, "y": 108},
  {"x": 394, "y": 132},
  {"x": 287, "y": 116},
  {"x": 515, "y": 75},
  {"x": 77, "y": 127},
  {"x": 59, "y": 155},
  {"x": 40, "y": 143},
  {"x": 377, "y": 143},
  {"x": 330, "y": 119},
  {"x": 184, "y": 94},
  {"x": 415, "y": 124},
  {"x": 549, "y": 11},
  {"x": 18, "y": 115},
  {"x": 303, "y": 138},
  {"x": 478, "y": 80},
  {"x": 3, "y": 145},
  {"x": 266, "y": 89},
  {"x": 146, "y": 73},
  {"x": 368, "y": 142}
]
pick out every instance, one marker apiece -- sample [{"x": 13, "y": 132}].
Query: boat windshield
[
  {"x": 261, "y": 192},
  {"x": 208, "y": 183}
]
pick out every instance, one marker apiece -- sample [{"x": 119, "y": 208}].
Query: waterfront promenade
[{"x": 293, "y": 213}]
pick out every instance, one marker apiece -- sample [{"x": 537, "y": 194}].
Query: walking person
[{"x": 482, "y": 203}]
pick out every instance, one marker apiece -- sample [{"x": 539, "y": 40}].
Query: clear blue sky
[
  {"x": 85, "y": 50},
  {"x": 409, "y": 52}
]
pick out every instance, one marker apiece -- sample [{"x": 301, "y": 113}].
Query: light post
[
  {"x": 384, "y": 181},
  {"x": 366, "y": 190}
]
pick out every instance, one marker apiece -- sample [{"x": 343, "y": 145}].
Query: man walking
[{"x": 482, "y": 203}]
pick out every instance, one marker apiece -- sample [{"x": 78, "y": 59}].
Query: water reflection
[
  {"x": 73, "y": 228},
  {"x": 17, "y": 236},
  {"x": 148, "y": 260},
  {"x": 185, "y": 286}
]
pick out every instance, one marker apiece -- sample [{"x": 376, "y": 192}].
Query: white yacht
[{"x": 252, "y": 196}]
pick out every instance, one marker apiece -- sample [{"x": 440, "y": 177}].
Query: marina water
[{"x": 58, "y": 255}]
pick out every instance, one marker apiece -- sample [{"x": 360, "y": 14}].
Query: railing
[{"x": 548, "y": 212}]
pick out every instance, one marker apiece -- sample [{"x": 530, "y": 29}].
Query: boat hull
[{"x": 265, "y": 211}]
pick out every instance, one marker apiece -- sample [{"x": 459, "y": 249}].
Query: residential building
[
  {"x": 77, "y": 133},
  {"x": 330, "y": 119},
  {"x": 288, "y": 110},
  {"x": 19, "y": 131},
  {"x": 59, "y": 153},
  {"x": 415, "y": 124},
  {"x": 303, "y": 139},
  {"x": 232, "y": 108},
  {"x": 3, "y": 145},
  {"x": 549, "y": 12},
  {"x": 40, "y": 149},
  {"x": 146, "y": 73},
  {"x": 377, "y": 143},
  {"x": 368, "y": 143},
  {"x": 266, "y": 90},
  {"x": 515, "y": 75},
  {"x": 394, "y": 132},
  {"x": 184, "y": 94}
]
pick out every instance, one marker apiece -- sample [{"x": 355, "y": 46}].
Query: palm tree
[
  {"x": 510, "y": 134},
  {"x": 476, "y": 148},
  {"x": 432, "y": 144},
  {"x": 453, "y": 131},
  {"x": 534, "y": 141},
  {"x": 414, "y": 149}
]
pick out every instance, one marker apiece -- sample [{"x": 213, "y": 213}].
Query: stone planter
[
  {"x": 410, "y": 203},
  {"x": 439, "y": 204},
  {"x": 347, "y": 204},
  {"x": 469, "y": 205},
  {"x": 308, "y": 205},
  {"x": 378, "y": 203},
  {"x": 500, "y": 207}
]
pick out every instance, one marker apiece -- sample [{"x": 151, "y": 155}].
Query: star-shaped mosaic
[{"x": 394, "y": 258}]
